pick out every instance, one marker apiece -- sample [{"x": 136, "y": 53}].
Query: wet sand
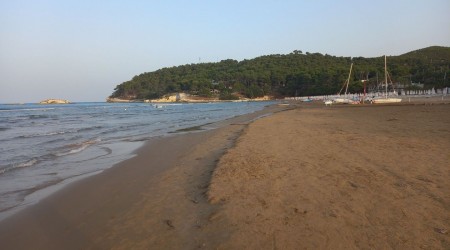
[{"x": 313, "y": 177}]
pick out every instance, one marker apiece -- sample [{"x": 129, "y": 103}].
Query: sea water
[{"x": 42, "y": 146}]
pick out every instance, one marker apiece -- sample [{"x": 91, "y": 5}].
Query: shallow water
[{"x": 45, "y": 145}]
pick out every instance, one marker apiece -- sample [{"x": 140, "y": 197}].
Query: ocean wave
[
  {"x": 21, "y": 165},
  {"x": 77, "y": 147},
  {"x": 20, "y": 109},
  {"x": 4, "y": 128},
  {"x": 71, "y": 131},
  {"x": 110, "y": 131},
  {"x": 35, "y": 117},
  {"x": 46, "y": 134},
  {"x": 89, "y": 128},
  {"x": 66, "y": 150},
  {"x": 27, "y": 164},
  {"x": 55, "y": 140},
  {"x": 214, "y": 110}
]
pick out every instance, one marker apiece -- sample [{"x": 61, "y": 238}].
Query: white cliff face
[{"x": 54, "y": 101}]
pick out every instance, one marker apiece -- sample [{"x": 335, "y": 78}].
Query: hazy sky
[{"x": 80, "y": 50}]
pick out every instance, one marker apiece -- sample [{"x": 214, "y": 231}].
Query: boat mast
[
  {"x": 348, "y": 79},
  {"x": 385, "y": 76}
]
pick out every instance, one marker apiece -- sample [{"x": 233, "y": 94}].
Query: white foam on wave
[
  {"x": 27, "y": 164},
  {"x": 19, "y": 165},
  {"x": 76, "y": 148}
]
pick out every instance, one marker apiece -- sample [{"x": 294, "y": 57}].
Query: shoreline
[
  {"x": 117, "y": 188},
  {"x": 311, "y": 176},
  {"x": 94, "y": 146}
]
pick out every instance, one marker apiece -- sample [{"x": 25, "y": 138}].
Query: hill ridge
[{"x": 293, "y": 74}]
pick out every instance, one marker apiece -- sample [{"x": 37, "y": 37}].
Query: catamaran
[{"x": 385, "y": 99}]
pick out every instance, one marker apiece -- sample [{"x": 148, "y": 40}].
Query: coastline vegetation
[{"x": 295, "y": 74}]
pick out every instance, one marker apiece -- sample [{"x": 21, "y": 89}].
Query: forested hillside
[{"x": 294, "y": 74}]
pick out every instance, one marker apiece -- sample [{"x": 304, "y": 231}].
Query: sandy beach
[{"x": 305, "y": 177}]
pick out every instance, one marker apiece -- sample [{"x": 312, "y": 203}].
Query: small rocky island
[{"x": 54, "y": 101}]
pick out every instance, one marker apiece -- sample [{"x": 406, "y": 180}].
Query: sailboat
[
  {"x": 385, "y": 99},
  {"x": 344, "y": 100}
]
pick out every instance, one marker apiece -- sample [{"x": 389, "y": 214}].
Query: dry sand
[
  {"x": 348, "y": 177},
  {"x": 315, "y": 177}
]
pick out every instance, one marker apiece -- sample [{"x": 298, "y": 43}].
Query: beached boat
[
  {"x": 345, "y": 100},
  {"x": 342, "y": 100},
  {"x": 386, "y": 99},
  {"x": 328, "y": 102}
]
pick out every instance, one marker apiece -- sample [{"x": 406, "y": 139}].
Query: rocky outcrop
[
  {"x": 179, "y": 97},
  {"x": 111, "y": 99},
  {"x": 54, "y": 101}
]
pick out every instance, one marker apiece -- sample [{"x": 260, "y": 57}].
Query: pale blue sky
[{"x": 80, "y": 50}]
